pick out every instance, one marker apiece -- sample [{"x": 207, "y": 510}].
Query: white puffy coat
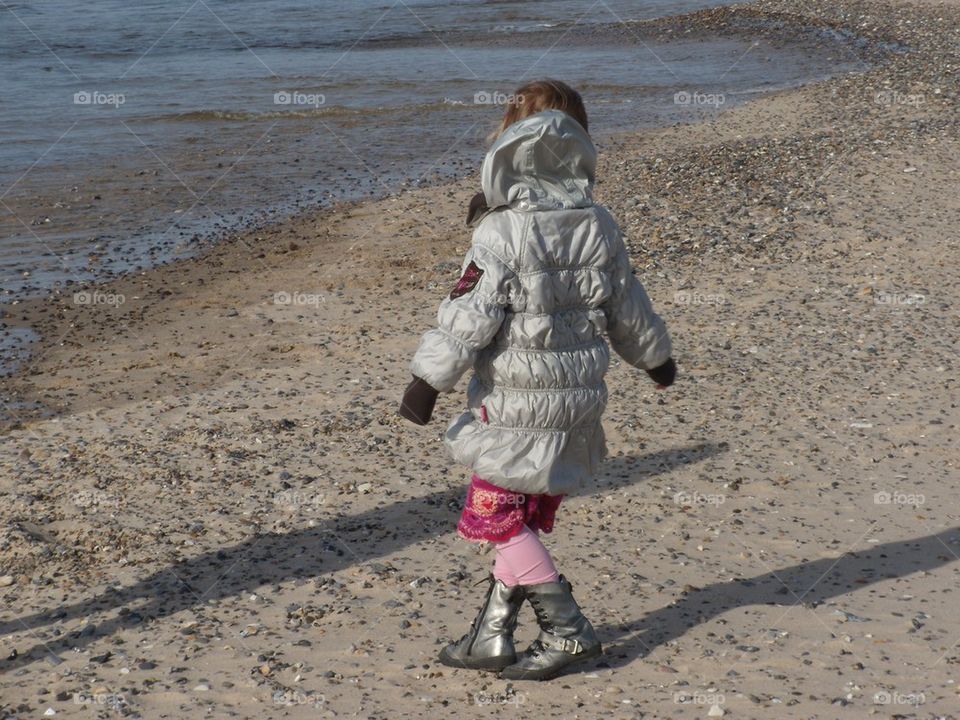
[{"x": 547, "y": 277}]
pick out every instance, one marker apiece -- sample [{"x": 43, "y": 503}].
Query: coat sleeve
[
  {"x": 636, "y": 332},
  {"x": 468, "y": 319}
]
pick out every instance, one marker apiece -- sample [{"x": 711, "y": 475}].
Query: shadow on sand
[
  {"x": 808, "y": 583},
  {"x": 269, "y": 558},
  {"x": 343, "y": 541}
]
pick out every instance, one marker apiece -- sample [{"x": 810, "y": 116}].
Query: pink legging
[{"x": 523, "y": 560}]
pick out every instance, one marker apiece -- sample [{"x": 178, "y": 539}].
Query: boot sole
[
  {"x": 550, "y": 673},
  {"x": 495, "y": 663}
]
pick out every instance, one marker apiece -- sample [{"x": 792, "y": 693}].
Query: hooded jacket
[{"x": 546, "y": 280}]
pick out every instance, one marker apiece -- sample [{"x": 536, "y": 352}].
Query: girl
[{"x": 546, "y": 278}]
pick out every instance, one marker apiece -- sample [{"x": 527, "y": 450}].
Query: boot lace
[{"x": 538, "y": 611}]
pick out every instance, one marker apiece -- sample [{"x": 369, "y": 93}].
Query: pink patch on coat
[{"x": 471, "y": 276}]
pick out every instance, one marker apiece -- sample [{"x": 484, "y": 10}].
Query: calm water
[{"x": 132, "y": 132}]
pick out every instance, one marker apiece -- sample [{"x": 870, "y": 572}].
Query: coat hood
[{"x": 543, "y": 162}]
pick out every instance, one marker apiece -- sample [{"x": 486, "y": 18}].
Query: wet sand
[{"x": 211, "y": 508}]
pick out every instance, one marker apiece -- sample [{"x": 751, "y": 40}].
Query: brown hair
[{"x": 540, "y": 95}]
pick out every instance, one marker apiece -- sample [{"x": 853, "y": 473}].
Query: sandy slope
[{"x": 224, "y": 517}]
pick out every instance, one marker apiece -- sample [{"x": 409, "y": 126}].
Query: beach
[
  {"x": 123, "y": 147},
  {"x": 210, "y": 507}
]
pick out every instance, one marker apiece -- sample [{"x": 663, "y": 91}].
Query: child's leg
[{"x": 523, "y": 560}]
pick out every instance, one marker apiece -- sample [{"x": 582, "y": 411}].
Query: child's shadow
[
  {"x": 269, "y": 558},
  {"x": 807, "y": 583}
]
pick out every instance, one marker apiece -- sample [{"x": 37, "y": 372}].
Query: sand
[{"x": 210, "y": 507}]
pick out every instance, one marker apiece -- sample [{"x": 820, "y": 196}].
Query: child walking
[{"x": 546, "y": 280}]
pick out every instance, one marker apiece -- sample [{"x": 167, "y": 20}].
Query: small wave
[
  {"x": 344, "y": 41},
  {"x": 326, "y": 84},
  {"x": 618, "y": 88},
  {"x": 333, "y": 111},
  {"x": 531, "y": 27},
  {"x": 200, "y": 116}
]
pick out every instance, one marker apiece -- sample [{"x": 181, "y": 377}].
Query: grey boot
[
  {"x": 489, "y": 644},
  {"x": 566, "y": 636}
]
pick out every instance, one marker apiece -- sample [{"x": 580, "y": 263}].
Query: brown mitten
[{"x": 418, "y": 401}]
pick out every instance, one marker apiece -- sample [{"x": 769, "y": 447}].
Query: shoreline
[
  {"x": 222, "y": 509},
  {"x": 31, "y": 316},
  {"x": 719, "y": 23}
]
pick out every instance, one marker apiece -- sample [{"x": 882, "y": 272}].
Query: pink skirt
[{"x": 493, "y": 514}]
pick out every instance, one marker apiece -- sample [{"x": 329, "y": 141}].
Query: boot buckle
[{"x": 567, "y": 645}]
